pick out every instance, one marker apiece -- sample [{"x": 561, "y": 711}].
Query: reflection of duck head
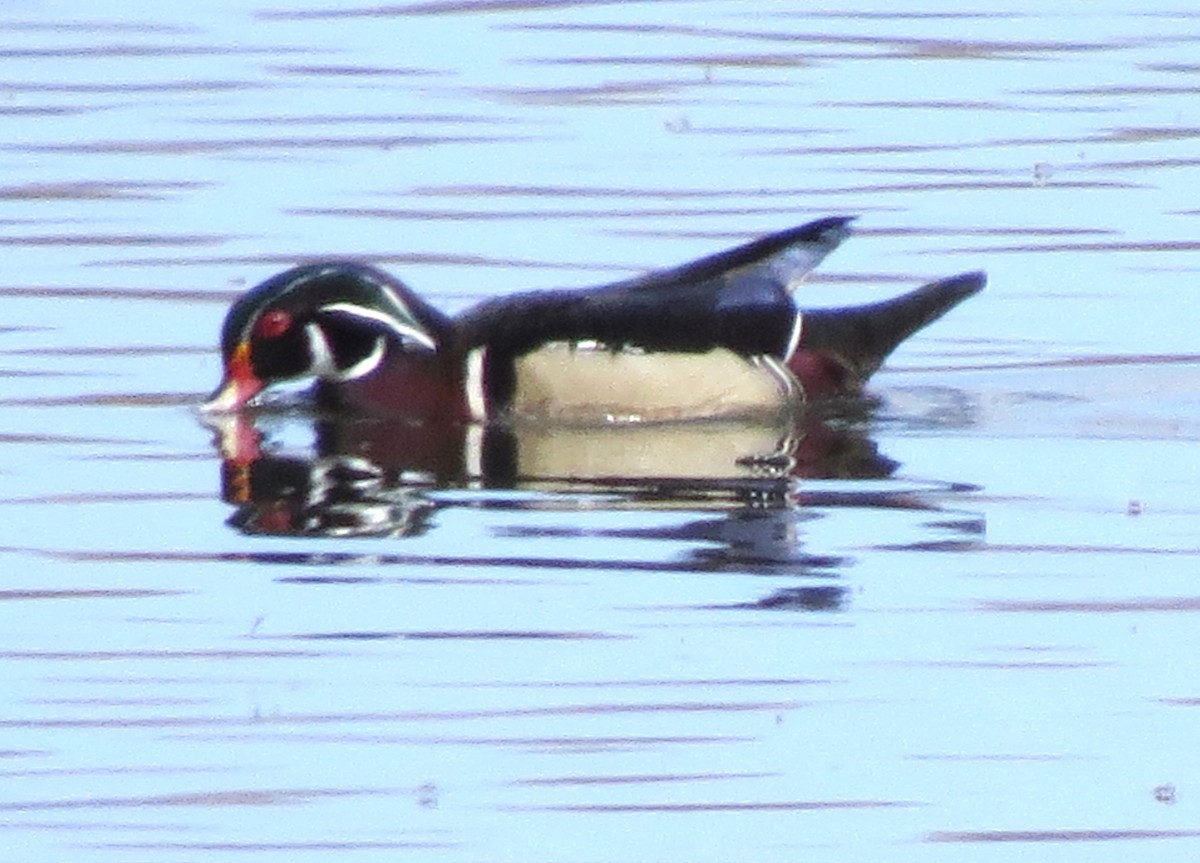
[{"x": 717, "y": 337}]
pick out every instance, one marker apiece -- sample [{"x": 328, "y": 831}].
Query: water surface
[{"x": 955, "y": 625}]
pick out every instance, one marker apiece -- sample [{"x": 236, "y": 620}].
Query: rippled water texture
[{"x": 955, "y": 623}]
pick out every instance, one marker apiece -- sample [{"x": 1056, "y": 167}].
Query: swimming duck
[{"x": 718, "y": 336}]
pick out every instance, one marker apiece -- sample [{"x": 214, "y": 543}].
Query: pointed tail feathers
[{"x": 859, "y": 338}]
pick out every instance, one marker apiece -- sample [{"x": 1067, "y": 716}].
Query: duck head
[{"x": 335, "y": 321}]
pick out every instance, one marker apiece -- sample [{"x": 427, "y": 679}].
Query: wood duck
[{"x": 718, "y": 336}]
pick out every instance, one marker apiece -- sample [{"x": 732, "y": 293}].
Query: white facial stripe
[
  {"x": 404, "y": 331},
  {"x": 384, "y": 289},
  {"x": 323, "y": 364},
  {"x": 794, "y": 338},
  {"x": 476, "y": 401},
  {"x": 395, "y": 298},
  {"x": 292, "y": 286},
  {"x": 405, "y": 310},
  {"x": 320, "y": 355}
]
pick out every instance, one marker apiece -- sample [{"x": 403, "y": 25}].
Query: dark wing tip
[
  {"x": 969, "y": 283},
  {"x": 820, "y": 228},
  {"x": 829, "y": 230},
  {"x": 838, "y": 221},
  {"x": 955, "y": 289}
]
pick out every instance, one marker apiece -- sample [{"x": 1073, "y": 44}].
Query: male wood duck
[{"x": 718, "y": 336}]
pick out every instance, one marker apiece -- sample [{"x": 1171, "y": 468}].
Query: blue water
[{"x": 963, "y": 632}]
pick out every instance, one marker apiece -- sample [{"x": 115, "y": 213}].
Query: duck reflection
[
  {"x": 736, "y": 483},
  {"x": 367, "y": 476}
]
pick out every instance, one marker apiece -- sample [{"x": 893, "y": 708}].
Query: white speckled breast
[{"x": 591, "y": 383}]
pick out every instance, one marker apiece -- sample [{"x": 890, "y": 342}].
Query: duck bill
[{"x": 238, "y": 387}]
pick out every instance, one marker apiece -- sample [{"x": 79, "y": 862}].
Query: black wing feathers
[
  {"x": 814, "y": 240},
  {"x": 736, "y": 299},
  {"x": 749, "y": 315}
]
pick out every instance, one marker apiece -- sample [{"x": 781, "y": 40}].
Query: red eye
[{"x": 273, "y": 324}]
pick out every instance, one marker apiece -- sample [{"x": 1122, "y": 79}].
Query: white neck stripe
[
  {"x": 476, "y": 401},
  {"x": 366, "y": 365},
  {"x": 323, "y": 364},
  {"x": 794, "y": 338},
  {"x": 789, "y": 388}
]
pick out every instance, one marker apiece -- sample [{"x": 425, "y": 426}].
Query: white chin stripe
[
  {"x": 320, "y": 357},
  {"x": 323, "y": 364},
  {"x": 366, "y": 365}
]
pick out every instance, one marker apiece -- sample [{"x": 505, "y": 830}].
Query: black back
[{"x": 736, "y": 299}]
